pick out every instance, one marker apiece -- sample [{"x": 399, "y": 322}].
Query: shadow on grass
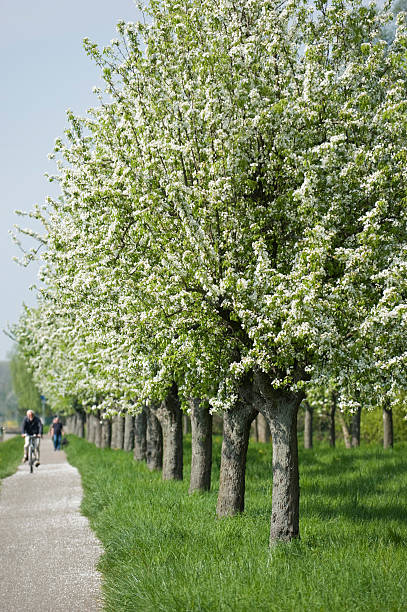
[{"x": 363, "y": 484}]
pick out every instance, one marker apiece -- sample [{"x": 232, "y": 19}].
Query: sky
[{"x": 44, "y": 71}]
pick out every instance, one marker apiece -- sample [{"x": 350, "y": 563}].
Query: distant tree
[
  {"x": 8, "y": 401},
  {"x": 28, "y": 396}
]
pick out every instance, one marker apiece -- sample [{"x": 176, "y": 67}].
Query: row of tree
[{"x": 231, "y": 232}]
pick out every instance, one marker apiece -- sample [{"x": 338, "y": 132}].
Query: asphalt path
[{"x": 48, "y": 553}]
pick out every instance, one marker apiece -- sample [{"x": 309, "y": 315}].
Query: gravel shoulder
[{"x": 48, "y": 553}]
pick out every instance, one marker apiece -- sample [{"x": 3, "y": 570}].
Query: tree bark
[
  {"x": 106, "y": 433},
  {"x": 332, "y": 433},
  {"x": 236, "y": 430},
  {"x": 255, "y": 429},
  {"x": 120, "y": 431},
  {"x": 263, "y": 429},
  {"x": 128, "y": 443},
  {"x": 345, "y": 431},
  {"x": 154, "y": 450},
  {"x": 70, "y": 424},
  {"x": 98, "y": 429},
  {"x": 308, "y": 426},
  {"x": 117, "y": 431},
  {"x": 89, "y": 427},
  {"x": 201, "y": 461},
  {"x": 113, "y": 442},
  {"x": 280, "y": 407},
  {"x": 186, "y": 425},
  {"x": 356, "y": 427},
  {"x": 80, "y": 418},
  {"x": 140, "y": 436},
  {"x": 387, "y": 428},
  {"x": 169, "y": 414},
  {"x": 93, "y": 433}
]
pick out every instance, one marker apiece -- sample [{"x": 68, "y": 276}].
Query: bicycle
[{"x": 32, "y": 450}]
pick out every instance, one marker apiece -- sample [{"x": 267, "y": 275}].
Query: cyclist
[{"x": 31, "y": 426}]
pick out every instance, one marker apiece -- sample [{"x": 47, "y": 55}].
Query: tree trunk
[
  {"x": 280, "y": 407},
  {"x": 120, "y": 431},
  {"x": 308, "y": 426},
  {"x": 387, "y": 427},
  {"x": 140, "y": 436},
  {"x": 332, "y": 433},
  {"x": 236, "y": 430},
  {"x": 170, "y": 416},
  {"x": 93, "y": 433},
  {"x": 113, "y": 442},
  {"x": 186, "y": 425},
  {"x": 98, "y": 429},
  {"x": 69, "y": 424},
  {"x": 89, "y": 427},
  {"x": 255, "y": 429},
  {"x": 356, "y": 427},
  {"x": 201, "y": 461},
  {"x": 154, "y": 441},
  {"x": 117, "y": 431},
  {"x": 80, "y": 418},
  {"x": 345, "y": 431},
  {"x": 128, "y": 443},
  {"x": 106, "y": 433},
  {"x": 263, "y": 429}
]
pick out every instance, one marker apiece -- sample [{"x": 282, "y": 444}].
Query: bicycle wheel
[{"x": 31, "y": 457}]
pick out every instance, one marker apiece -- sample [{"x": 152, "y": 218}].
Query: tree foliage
[
  {"x": 8, "y": 401},
  {"x": 28, "y": 397}
]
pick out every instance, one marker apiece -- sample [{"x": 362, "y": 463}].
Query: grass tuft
[
  {"x": 165, "y": 550},
  {"x": 11, "y": 452}
]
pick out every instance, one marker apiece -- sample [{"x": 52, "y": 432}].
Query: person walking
[
  {"x": 57, "y": 429},
  {"x": 32, "y": 426}
]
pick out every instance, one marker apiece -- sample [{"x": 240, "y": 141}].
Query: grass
[
  {"x": 165, "y": 550},
  {"x": 11, "y": 452}
]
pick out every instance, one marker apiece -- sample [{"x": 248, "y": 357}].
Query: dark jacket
[
  {"x": 31, "y": 427},
  {"x": 57, "y": 428}
]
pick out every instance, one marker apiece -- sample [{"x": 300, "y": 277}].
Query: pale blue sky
[{"x": 43, "y": 70}]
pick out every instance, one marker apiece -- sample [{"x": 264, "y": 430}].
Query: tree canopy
[{"x": 237, "y": 205}]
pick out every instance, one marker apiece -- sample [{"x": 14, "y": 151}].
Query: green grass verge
[
  {"x": 166, "y": 551},
  {"x": 11, "y": 452}
]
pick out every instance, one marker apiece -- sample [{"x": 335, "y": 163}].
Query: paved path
[{"x": 48, "y": 552}]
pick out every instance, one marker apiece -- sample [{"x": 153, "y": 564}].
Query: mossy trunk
[
  {"x": 154, "y": 454},
  {"x": 280, "y": 407},
  {"x": 387, "y": 428},
  {"x": 140, "y": 436},
  {"x": 308, "y": 426},
  {"x": 106, "y": 433},
  {"x": 170, "y": 416},
  {"x": 128, "y": 440},
  {"x": 236, "y": 430},
  {"x": 356, "y": 427},
  {"x": 201, "y": 460}
]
